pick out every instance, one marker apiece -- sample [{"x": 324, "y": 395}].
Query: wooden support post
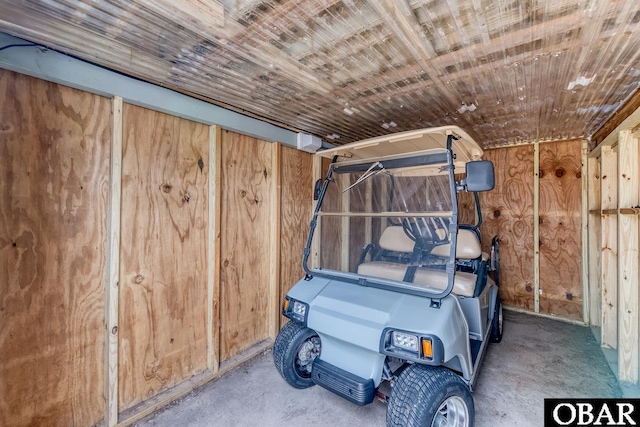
[
  {"x": 536, "y": 227},
  {"x": 113, "y": 265},
  {"x": 594, "y": 247},
  {"x": 345, "y": 227},
  {"x": 584, "y": 210},
  {"x": 609, "y": 256},
  {"x": 274, "y": 242},
  {"x": 368, "y": 203},
  {"x": 316, "y": 171},
  {"x": 628, "y": 292},
  {"x": 584, "y": 214},
  {"x": 213, "y": 242}
]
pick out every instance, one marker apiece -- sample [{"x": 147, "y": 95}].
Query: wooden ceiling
[{"x": 506, "y": 71}]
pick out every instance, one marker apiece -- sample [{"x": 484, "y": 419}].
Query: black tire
[
  {"x": 495, "y": 260},
  {"x": 293, "y": 353},
  {"x": 497, "y": 322},
  {"x": 427, "y": 396}
]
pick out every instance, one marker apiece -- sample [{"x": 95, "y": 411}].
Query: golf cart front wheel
[
  {"x": 294, "y": 351},
  {"x": 430, "y": 396}
]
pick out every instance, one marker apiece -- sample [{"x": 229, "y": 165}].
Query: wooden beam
[
  {"x": 594, "y": 247},
  {"x": 368, "y": 203},
  {"x": 628, "y": 283},
  {"x": 213, "y": 257},
  {"x": 536, "y": 227},
  {"x": 345, "y": 228},
  {"x": 609, "y": 256},
  {"x": 207, "y": 15},
  {"x": 113, "y": 266},
  {"x": 548, "y": 30},
  {"x": 621, "y": 211},
  {"x": 403, "y": 24},
  {"x": 584, "y": 175},
  {"x": 630, "y": 106},
  {"x": 275, "y": 204},
  {"x": 316, "y": 171}
]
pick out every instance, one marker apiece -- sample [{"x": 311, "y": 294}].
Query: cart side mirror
[
  {"x": 480, "y": 176},
  {"x": 317, "y": 189}
]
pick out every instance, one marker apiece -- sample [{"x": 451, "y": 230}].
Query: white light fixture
[{"x": 308, "y": 142}]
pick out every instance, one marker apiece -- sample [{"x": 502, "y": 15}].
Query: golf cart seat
[{"x": 394, "y": 239}]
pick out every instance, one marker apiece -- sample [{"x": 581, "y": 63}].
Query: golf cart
[{"x": 397, "y": 295}]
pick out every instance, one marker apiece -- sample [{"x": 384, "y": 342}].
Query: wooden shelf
[{"x": 620, "y": 211}]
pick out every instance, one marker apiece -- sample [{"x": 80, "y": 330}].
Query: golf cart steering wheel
[{"x": 426, "y": 231}]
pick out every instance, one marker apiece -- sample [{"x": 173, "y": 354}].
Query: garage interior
[{"x": 155, "y": 205}]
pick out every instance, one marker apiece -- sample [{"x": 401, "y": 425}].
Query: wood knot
[
  {"x": 579, "y": 174},
  {"x": 226, "y": 263},
  {"x": 540, "y": 173},
  {"x": 496, "y": 213},
  {"x": 528, "y": 288},
  {"x": 166, "y": 187},
  {"x": 570, "y": 296},
  {"x": 243, "y": 193},
  {"x": 265, "y": 173},
  {"x": 235, "y": 334},
  {"x": 114, "y": 330},
  {"x": 256, "y": 200},
  {"x": 200, "y": 164},
  {"x": 186, "y": 197},
  {"x": 559, "y": 172},
  {"x": 138, "y": 278}
]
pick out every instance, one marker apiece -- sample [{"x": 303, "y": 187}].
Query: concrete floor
[{"x": 537, "y": 358}]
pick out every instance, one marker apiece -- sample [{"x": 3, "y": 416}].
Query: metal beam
[{"x": 58, "y": 68}]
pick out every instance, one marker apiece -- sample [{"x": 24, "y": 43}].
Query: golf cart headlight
[
  {"x": 295, "y": 310},
  {"x": 404, "y": 341},
  {"x": 299, "y": 309}
]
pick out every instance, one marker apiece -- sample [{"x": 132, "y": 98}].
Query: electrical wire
[{"x": 19, "y": 45}]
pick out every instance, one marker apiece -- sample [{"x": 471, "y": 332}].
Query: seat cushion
[
  {"x": 394, "y": 238},
  {"x": 464, "y": 283},
  {"x": 467, "y": 247},
  {"x": 383, "y": 269}
]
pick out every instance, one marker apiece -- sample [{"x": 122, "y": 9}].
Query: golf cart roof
[{"x": 464, "y": 148}]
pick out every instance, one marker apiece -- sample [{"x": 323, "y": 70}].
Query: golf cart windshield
[{"x": 389, "y": 221}]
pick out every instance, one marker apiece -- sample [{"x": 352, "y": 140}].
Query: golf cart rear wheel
[
  {"x": 496, "y": 323},
  {"x": 294, "y": 351},
  {"x": 430, "y": 396}
]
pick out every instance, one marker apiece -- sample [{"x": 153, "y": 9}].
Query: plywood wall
[
  {"x": 614, "y": 233},
  {"x": 295, "y": 215},
  {"x": 163, "y": 273},
  {"x": 59, "y": 185},
  {"x": 466, "y": 206},
  {"x": 331, "y": 227},
  {"x": 247, "y": 183},
  {"x": 507, "y": 212},
  {"x": 560, "y": 229},
  {"x": 54, "y": 157}
]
